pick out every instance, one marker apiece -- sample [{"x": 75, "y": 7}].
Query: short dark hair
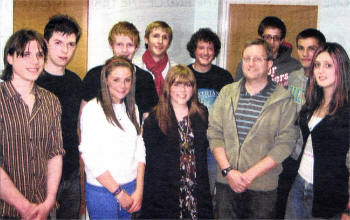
[
  {"x": 312, "y": 32},
  {"x": 17, "y": 43},
  {"x": 272, "y": 21},
  {"x": 207, "y": 35},
  {"x": 64, "y": 24},
  {"x": 261, "y": 42}
]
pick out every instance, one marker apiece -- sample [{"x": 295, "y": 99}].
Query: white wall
[
  {"x": 6, "y": 26},
  {"x": 104, "y": 14},
  {"x": 334, "y": 21}
]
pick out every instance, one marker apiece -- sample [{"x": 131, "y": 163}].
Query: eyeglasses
[
  {"x": 254, "y": 59},
  {"x": 270, "y": 37}
]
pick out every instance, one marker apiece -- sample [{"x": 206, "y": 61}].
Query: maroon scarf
[{"x": 156, "y": 68}]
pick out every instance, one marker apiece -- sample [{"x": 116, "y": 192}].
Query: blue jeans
[
  {"x": 246, "y": 205},
  {"x": 101, "y": 204},
  {"x": 211, "y": 171},
  {"x": 299, "y": 204}
]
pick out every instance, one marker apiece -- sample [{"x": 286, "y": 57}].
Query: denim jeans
[
  {"x": 69, "y": 196},
  {"x": 248, "y": 204},
  {"x": 101, "y": 204},
  {"x": 211, "y": 171},
  {"x": 299, "y": 205}
]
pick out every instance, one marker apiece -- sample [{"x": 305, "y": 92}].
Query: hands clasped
[
  {"x": 131, "y": 203},
  {"x": 238, "y": 181}
]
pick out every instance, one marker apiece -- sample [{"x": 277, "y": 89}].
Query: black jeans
[
  {"x": 248, "y": 204},
  {"x": 69, "y": 196}
]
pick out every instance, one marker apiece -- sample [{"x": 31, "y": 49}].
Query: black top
[
  {"x": 146, "y": 95},
  {"x": 330, "y": 144},
  {"x": 68, "y": 89},
  {"x": 162, "y": 174},
  {"x": 215, "y": 78},
  {"x": 210, "y": 83}
]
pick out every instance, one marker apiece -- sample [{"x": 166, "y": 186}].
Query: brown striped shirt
[{"x": 28, "y": 141}]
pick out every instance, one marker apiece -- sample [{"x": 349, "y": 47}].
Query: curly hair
[{"x": 206, "y": 35}]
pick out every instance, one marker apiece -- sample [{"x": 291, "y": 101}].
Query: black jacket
[
  {"x": 162, "y": 174},
  {"x": 330, "y": 143}
]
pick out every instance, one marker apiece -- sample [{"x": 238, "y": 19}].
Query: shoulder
[
  {"x": 72, "y": 75},
  {"x": 281, "y": 93},
  {"x": 92, "y": 106},
  {"x": 220, "y": 70},
  {"x": 95, "y": 71},
  {"x": 231, "y": 88},
  {"x": 47, "y": 96},
  {"x": 223, "y": 72},
  {"x": 141, "y": 73}
]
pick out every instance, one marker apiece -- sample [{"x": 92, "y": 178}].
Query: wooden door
[
  {"x": 244, "y": 20},
  {"x": 34, "y": 14}
]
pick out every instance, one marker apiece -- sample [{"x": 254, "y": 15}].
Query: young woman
[
  {"x": 321, "y": 186},
  {"x": 111, "y": 145},
  {"x": 176, "y": 176}
]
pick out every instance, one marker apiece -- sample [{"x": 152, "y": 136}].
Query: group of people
[{"x": 166, "y": 140}]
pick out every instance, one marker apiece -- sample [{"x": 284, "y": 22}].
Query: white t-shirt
[
  {"x": 306, "y": 169},
  {"x": 107, "y": 147}
]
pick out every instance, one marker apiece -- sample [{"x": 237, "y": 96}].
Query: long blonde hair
[
  {"x": 164, "y": 110},
  {"x": 105, "y": 99}
]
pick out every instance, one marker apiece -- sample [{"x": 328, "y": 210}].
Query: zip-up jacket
[{"x": 273, "y": 134}]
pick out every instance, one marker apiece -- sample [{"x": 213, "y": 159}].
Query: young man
[
  {"x": 124, "y": 41},
  {"x": 62, "y": 34},
  {"x": 251, "y": 131},
  {"x": 273, "y": 31},
  {"x": 155, "y": 60},
  {"x": 31, "y": 145},
  {"x": 204, "y": 46},
  {"x": 307, "y": 43}
]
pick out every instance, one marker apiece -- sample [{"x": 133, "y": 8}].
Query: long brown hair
[
  {"x": 314, "y": 93},
  {"x": 178, "y": 73},
  {"x": 105, "y": 99}
]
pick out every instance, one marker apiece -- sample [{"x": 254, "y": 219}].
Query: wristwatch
[{"x": 225, "y": 171}]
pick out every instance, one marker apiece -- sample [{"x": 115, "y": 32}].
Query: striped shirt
[
  {"x": 28, "y": 141},
  {"x": 249, "y": 108}
]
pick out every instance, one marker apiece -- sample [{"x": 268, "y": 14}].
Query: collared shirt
[
  {"x": 28, "y": 141},
  {"x": 249, "y": 108}
]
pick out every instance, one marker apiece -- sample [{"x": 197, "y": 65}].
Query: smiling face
[
  {"x": 61, "y": 48},
  {"x": 28, "y": 67},
  {"x": 180, "y": 92},
  {"x": 324, "y": 71},
  {"x": 204, "y": 53},
  {"x": 158, "y": 43},
  {"x": 306, "y": 49},
  {"x": 123, "y": 46},
  {"x": 119, "y": 83},
  {"x": 255, "y": 65}
]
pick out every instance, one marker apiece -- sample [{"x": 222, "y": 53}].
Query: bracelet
[{"x": 117, "y": 191}]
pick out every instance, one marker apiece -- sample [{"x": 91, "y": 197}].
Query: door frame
[{"x": 224, "y": 18}]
